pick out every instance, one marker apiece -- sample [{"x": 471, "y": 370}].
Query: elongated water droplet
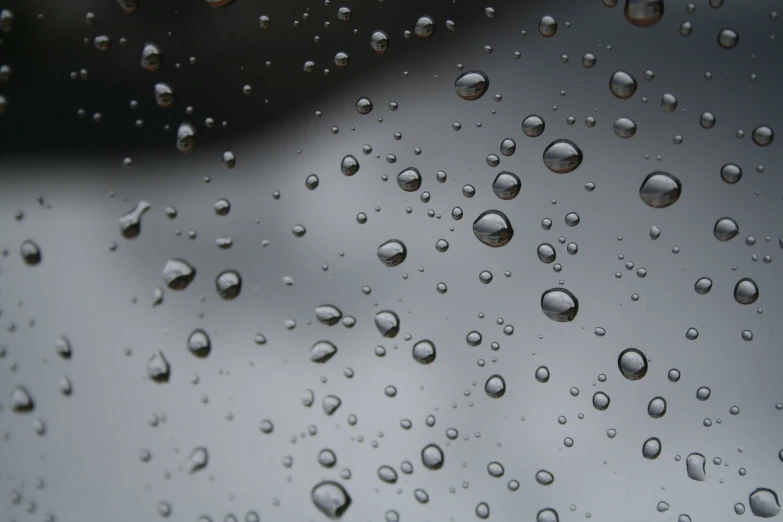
[
  {"x": 703, "y": 285},
  {"x": 198, "y": 460},
  {"x": 349, "y": 165},
  {"x": 560, "y": 305},
  {"x": 508, "y": 147},
  {"x": 164, "y": 94},
  {"x": 186, "y": 137},
  {"x": 544, "y": 477},
  {"x": 331, "y": 499},
  {"x": 379, "y": 42},
  {"x": 130, "y": 223},
  {"x": 493, "y": 228},
  {"x": 328, "y": 314},
  {"x": 392, "y": 252},
  {"x": 660, "y": 189},
  {"x": 471, "y": 85},
  {"x": 151, "y": 57},
  {"x": 63, "y": 347},
  {"x": 387, "y": 474}
]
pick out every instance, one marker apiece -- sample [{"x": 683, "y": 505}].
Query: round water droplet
[
  {"x": 508, "y": 147},
  {"x": 560, "y": 305},
  {"x": 387, "y": 323},
  {"x": 312, "y": 181},
  {"x": 703, "y": 285},
  {"x": 349, "y": 165},
  {"x": 327, "y": 458},
  {"x": 199, "y": 343},
  {"x": 30, "y": 252},
  {"x": 660, "y": 189},
  {"x": 546, "y": 253},
  {"x": 632, "y": 364},
  {"x": 506, "y": 185},
  {"x": 728, "y": 38},
  {"x": 432, "y": 457},
  {"x": 651, "y": 448},
  {"x": 363, "y": 105},
  {"x": 186, "y": 137},
  {"x": 707, "y": 120},
  {"x": 542, "y": 374},
  {"x": 746, "y": 291},
  {"x": 482, "y": 510},
  {"x": 588, "y": 60},
  {"x": 409, "y": 179},
  {"x": 228, "y": 284},
  {"x": 495, "y": 386},
  {"x": 424, "y": 352},
  {"x": 392, "y": 252},
  {"x": 331, "y": 499},
  {"x": 425, "y": 27},
  {"x": 562, "y": 156},
  {"x": 485, "y": 277},
  {"x": 725, "y": 229},
  {"x": 341, "y": 59},
  {"x": 625, "y": 128},
  {"x": 731, "y": 173},
  {"x": 493, "y": 228},
  {"x": 379, "y": 42},
  {"x": 643, "y": 13},
  {"x": 471, "y": 85},
  {"x": 764, "y": 503},
  {"x": 763, "y": 136},
  {"x": 622, "y": 85},
  {"x": 533, "y": 126},
  {"x": 322, "y": 351},
  {"x": 662, "y": 507},
  {"x": 547, "y": 26},
  {"x": 547, "y": 515},
  {"x": 601, "y": 401}
]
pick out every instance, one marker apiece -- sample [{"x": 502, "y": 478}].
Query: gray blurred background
[{"x": 65, "y": 173}]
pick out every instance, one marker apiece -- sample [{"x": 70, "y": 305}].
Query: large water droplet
[
  {"x": 178, "y": 274},
  {"x": 542, "y": 374},
  {"x": 651, "y": 448},
  {"x": 322, "y": 351},
  {"x": 392, "y": 253},
  {"x": 746, "y": 291},
  {"x": 544, "y": 477},
  {"x": 327, "y": 458},
  {"x": 432, "y": 456},
  {"x": 471, "y": 85},
  {"x": 130, "y": 223},
  {"x": 387, "y": 323},
  {"x": 725, "y": 229},
  {"x": 632, "y": 364},
  {"x": 328, "y": 314},
  {"x": 562, "y": 156},
  {"x": 695, "y": 466},
  {"x": 31, "y": 254},
  {"x": 660, "y": 189},
  {"x": 495, "y": 469},
  {"x": 424, "y": 352},
  {"x": 493, "y": 228},
  {"x": 546, "y": 253},
  {"x": 21, "y": 400},
  {"x": 349, "y": 165},
  {"x": 331, "y": 499},
  {"x": 482, "y": 510},
  {"x": 622, "y": 85},
  {"x": 409, "y": 179},
  {"x": 560, "y": 305},
  {"x": 643, "y": 13},
  {"x": 495, "y": 386},
  {"x": 425, "y": 27},
  {"x": 151, "y": 57},
  {"x": 508, "y": 147},
  {"x": 764, "y": 503},
  {"x": 186, "y": 137},
  {"x": 506, "y": 185},
  {"x": 228, "y": 284},
  {"x": 158, "y": 368},
  {"x": 387, "y": 474},
  {"x": 199, "y": 343},
  {"x": 625, "y": 128},
  {"x": 547, "y": 515}
]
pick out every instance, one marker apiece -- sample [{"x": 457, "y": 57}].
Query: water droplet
[
  {"x": 547, "y": 515},
  {"x": 643, "y": 13},
  {"x": 164, "y": 94},
  {"x": 546, "y": 253},
  {"x": 331, "y": 499},
  {"x": 657, "y": 406},
  {"x": 506, "y": 185},
  {"x": 421, "y": 496},
  {"x": 493, "y": 228},
  {"x": 409, "y": 179},
  {"x": 322, "y": 351},
  {"x": 482, "y": 510},
  {"x": 387, "y": 474},
  {"x": 387, "y": 323},
  {"x": 379, "y": 42},
  {"x": 662, "y": 507},
  {"x": 330, "y": 404},
  {"x": 151, "y": 57},
  {"x": 601, "y": 401},
  {"x": 632, "y": 364},
  {"x": 725, "y": 229},
  {"x": 485, "y": 277},
  {"x": 746, "y": 291},
  {"x": 651, "y": 448},
  {"x": 764, "y": 503},
  {"x": 542, "y": 374},
  {"x": 622, "y": 85},
  {"x": 544, "y": 477},
  {"x": 508, "y": 147},
  {"x": 186, "y": 137},
  {"x": 21, "y": 400},
  {"x": 158, "y": 368},
  {"x": 495, "y": 386},
  {"x": 686, "y": 29},
  {"x": 266, "y": 426},
  {"x": 763, "y": 136},
  {"x": 228, "y": 284},
  {"x": 198, "y": 460},
  {"x": 660, "y": 189},
  {"x": 533, "y": 126},
  {"x": 588, "y": 60},
  {"x": 30, "y": 252},
  {"x": 308, "y": 398},
  {"x": 625, "y": 128},
  {"x": 341, "y": 59},
  {"x": 424, "y": 352},
  {"x": 392, "y": 253},
  {"x": 199, "y": 343},
  {"x": 728, "y": 38},
  {"x": 739, "y": 508},
  {"x": 707, "y": 120},
  {"x": 547, "y": 26},
  {"x": 471, "y": 85},
  {"x": 559, "y": 304},
  {"x": 328, "y": 314},
  {"x": 327, "y": 458},
  {"x": 349, "y": 165},
  {"x": 425, "y": 27},
  {"x": 432, "y": 457},
  {"x": 562, "y": 156}
]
